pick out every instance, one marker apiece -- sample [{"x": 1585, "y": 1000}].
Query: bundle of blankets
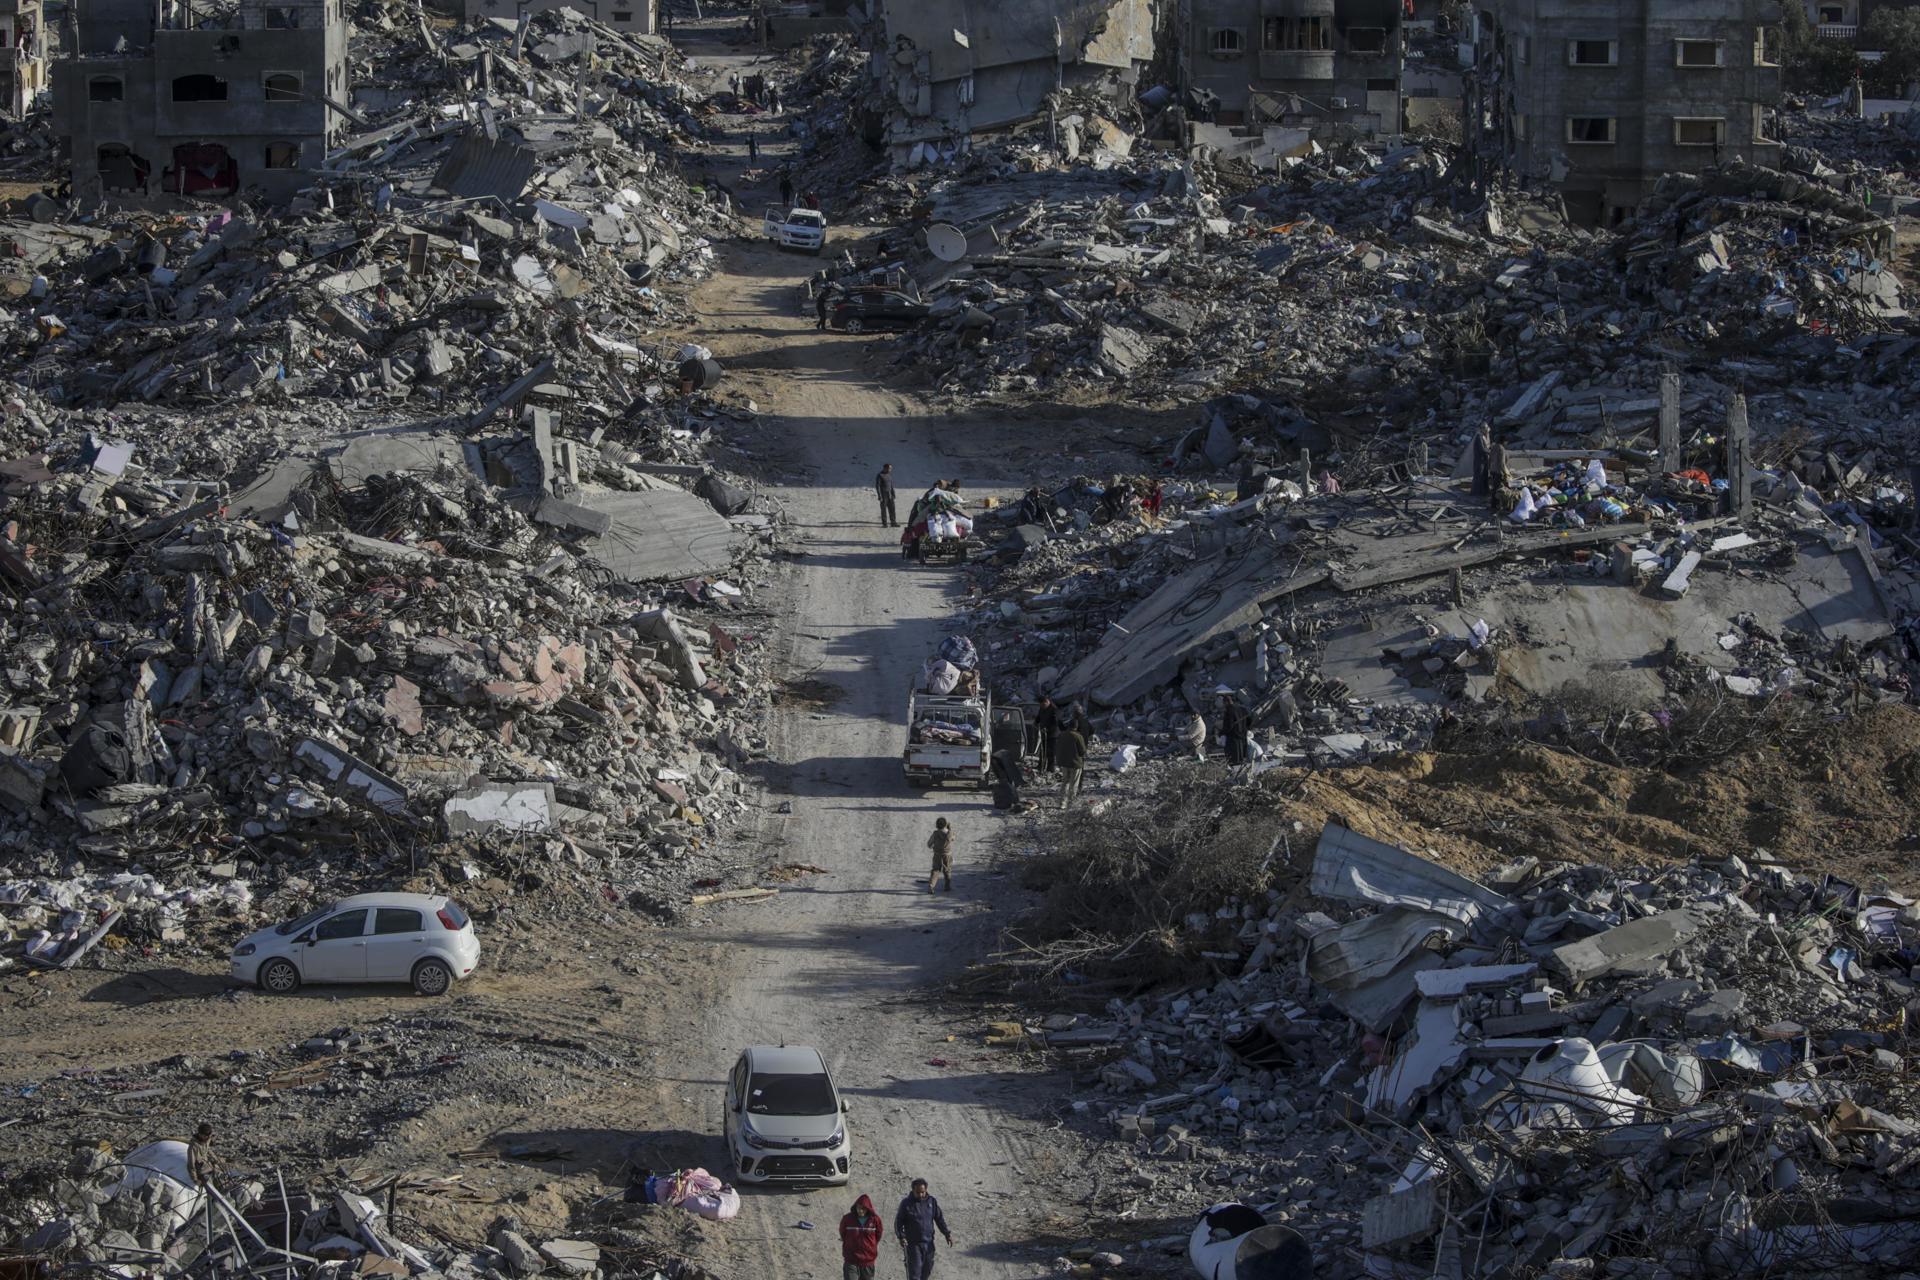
[
  {"x": 937, "y": 513},
  {"x": 694, "y": 1190}
]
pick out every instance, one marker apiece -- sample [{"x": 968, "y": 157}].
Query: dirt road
[{"x": 836, "y": 961}]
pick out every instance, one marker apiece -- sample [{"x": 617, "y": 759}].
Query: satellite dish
[{"x": 945, "y": 242}]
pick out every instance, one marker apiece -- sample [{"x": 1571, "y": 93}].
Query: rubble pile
[
  {"x": 145, "y": 1210},
  {"x": 1352, "y": 283},
  {"x": 1318, "y": 608},
  {"x": 196, "y": 678},
  {"x": 1696, "y": 1069},
  {"x": 445, "y": 247}
]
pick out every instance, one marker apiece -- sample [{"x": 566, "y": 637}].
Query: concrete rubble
[
  {"x": 141, "y": 1210},
  {"x": 1562, "y": 1069}
]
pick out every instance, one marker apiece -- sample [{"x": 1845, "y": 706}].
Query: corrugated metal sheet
[{"x": 478, "y": 168}]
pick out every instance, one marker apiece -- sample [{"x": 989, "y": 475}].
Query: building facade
[
  {"x": 640, "y": 17},
  {"x": 944, "y": 70},
  {"x": 1602, "y": 98},
  {"x": 23, "y": 69},
  {"x": 170, "y": 98},
  {"x": 1329, "y": 66}
]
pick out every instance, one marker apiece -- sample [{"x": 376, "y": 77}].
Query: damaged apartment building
[
  {"x": 200, "y": 97},
  {"x": 636, "y": 17},
  {"x": 948, "y": 69},
  {"x": 1329, "y": 70},
  {"x": 23, "y": 71},
  {"x": 1603, "y": 99}
]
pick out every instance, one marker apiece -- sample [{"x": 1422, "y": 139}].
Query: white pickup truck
[
  {"x": 947, "y": 738},
  {"x": 796, "y": 228}
]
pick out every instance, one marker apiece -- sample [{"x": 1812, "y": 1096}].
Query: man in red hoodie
[{"x": 860, "y": 1233}]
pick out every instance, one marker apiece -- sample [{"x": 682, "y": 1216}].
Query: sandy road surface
[{"x": 837, "y": 960}]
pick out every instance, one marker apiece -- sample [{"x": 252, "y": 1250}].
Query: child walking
[{"x": 941, "y": 842}]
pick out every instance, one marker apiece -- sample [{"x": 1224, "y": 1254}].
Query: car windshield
[
  {"x": 807, "y": 218},
  {"x": 785, "y": 1095},
  {"x": 304, "y": 922}
]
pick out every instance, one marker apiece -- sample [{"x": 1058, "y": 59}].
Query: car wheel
[
  {"x": 432, "y": 978},
  {"x": 855, "y": 324},
  {"x": 279, "y": 977}
]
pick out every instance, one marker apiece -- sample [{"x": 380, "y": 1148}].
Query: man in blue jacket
[{"x": 914, "y": 1223}]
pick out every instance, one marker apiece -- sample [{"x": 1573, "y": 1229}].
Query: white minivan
[{"x": 372, "y": 937}]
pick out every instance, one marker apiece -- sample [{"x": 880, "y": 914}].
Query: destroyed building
[
  {"x": 1602, "y": 101},
  {"x": 1324, "y": 67},
  {"x": 954, "y": 68},
  {"x": 200, "y": 98},
  {"x": 23, "y": 70},
  {"x": 638, "y": 17}
]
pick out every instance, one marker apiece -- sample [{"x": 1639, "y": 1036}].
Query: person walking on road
[
  {"x": 883, "y": 489},
  {"x": 821, "y": 301},
  {"x": 786, "y": 191},
  {"x": 753, "y": 146},
  {"x": 914, "y": 1223},
  {"x": 1234, "y": 725},
  {"x": 860, "y": 1235},
  {"x": 1046, "y": 724},
  {"x": 1070, "y": 754},
  {"x": 941, "y": 842}
]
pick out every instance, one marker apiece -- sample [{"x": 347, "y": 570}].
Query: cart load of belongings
[
  {"x": 960, "y": 652},
  {"x": 694, "y": 1190},
  {"x": 952, "y": 733},
  {"x": 938, "y": 513},
  {"x": 941, "y": 678}
]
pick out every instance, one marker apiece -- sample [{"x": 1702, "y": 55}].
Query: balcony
[{"x": 1837, "y": 31}]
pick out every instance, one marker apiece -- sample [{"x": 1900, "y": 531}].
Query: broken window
[
  {"x": 623, "y": 15},
  {"x": 120, "y": 169},
  {"x": 202, "y": 169},
  {"x": 966, "y": 91},
  {"x": 1366, "y": 39},
  {"x": 1593, "y": 53},
  {"x": 199, "y": 88},
  {"x": 1696, "y": 53},
  {"x": 282, "y": 18},
  {"x": 1273, "y": 34},
  {"x": 1766, "y": 47},
  {"x": 282, "y": 86},
  {"x": 1225, "y": 42},
  {"x": 1590, "y": 128},
  {"x": 1311, "y": 35},
  {"x": 1699, "y": 131},
  {"x": 106, "y": 89},
  {"x": 1766, "y": 124},
  {"x": 1831, "y": 14},
  {"x": 283, "y": 155}
]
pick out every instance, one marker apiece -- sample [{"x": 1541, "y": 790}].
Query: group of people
[
  {"x": 1059, "y": 742},
  {"x": 915, "y": 1224},
  {"x": 760, "y": 92},
  {"x": 1236, "y": 728}
]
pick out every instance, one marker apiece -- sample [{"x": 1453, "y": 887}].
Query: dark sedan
[{"x": 869, "y": 309}]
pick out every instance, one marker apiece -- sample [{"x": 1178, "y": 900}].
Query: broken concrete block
[
  {"x": 575, "y": 1257},
  {"x": 354, "y": 776},
  {"x": 520, "y": 1255},
  {"x": 500, "y": 806},
  {"x": 1635, "y": 941},
  {"x": 1680, "y": 579}
]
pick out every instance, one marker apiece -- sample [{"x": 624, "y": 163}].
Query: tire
[
  {"x": 432, "y": 978},
  {"x": 278, "y": 977},
  {"x": 855, "y": 324}
]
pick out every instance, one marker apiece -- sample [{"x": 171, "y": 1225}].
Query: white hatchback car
[
  {"x": 372, "y": 937},
  {"x": 785, "y": 1122}
]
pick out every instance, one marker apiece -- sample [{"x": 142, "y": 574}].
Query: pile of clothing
[
  {"x": 955, "y": 666},
  {"x": 1575, "y": 494},
  {"x": 694, "y": 1190}
]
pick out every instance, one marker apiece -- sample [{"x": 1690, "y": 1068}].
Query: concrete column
[
  {"x": 1739, "y": 490},
  {"x": 1669, "y": 423}
]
